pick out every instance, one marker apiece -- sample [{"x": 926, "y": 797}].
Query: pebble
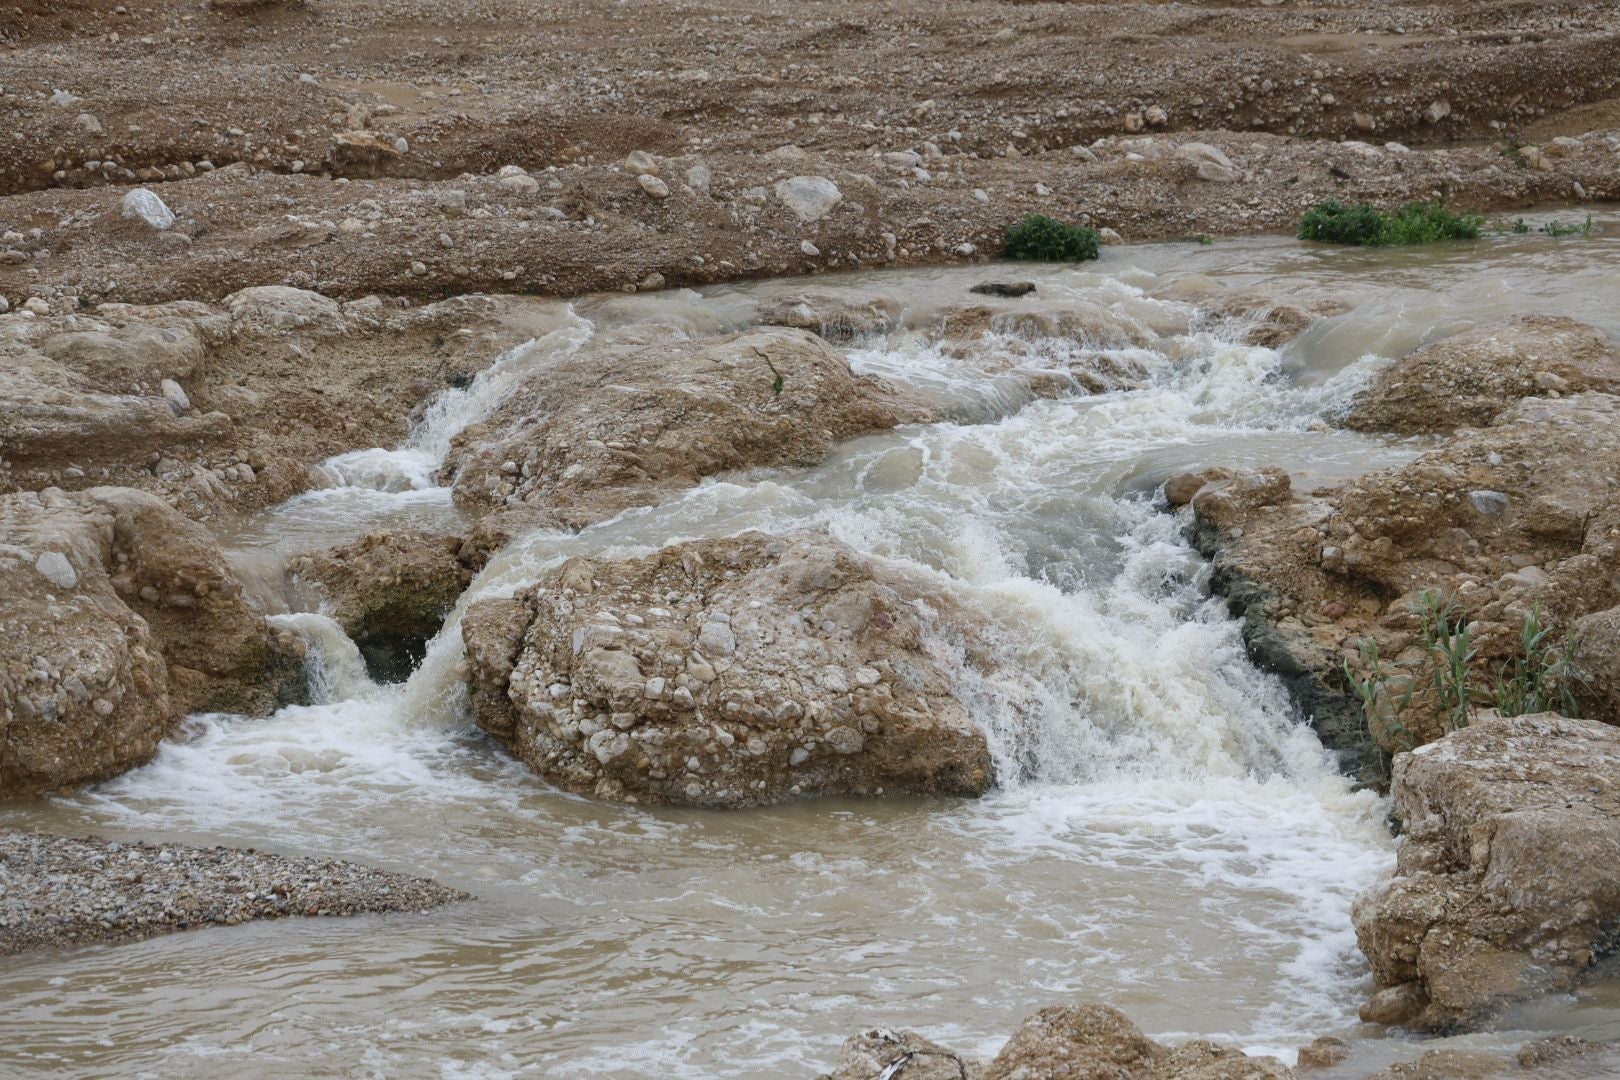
[{"x": 653, "y": 186}]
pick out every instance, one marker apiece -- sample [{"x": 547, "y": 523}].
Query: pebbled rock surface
[
  {"x": 1080, "y": 1042},
  {"x": 1471, "y": 378},
  {"x": 1508, "y": 518},
  {"x": 390, "y": 592},
  {"x": 119, "y": 616},
  {"x": 729, "y": 673},
  {"x": 1507, "y": 882},
  {"x": 59, "y": 892},
  {"x": 606, "y": 429}
]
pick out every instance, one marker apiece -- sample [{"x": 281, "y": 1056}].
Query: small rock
[
  {"x": 653, "y": 186},
  {"x": 811, "y": 198},
  {"x": 54, "y": 567},
  {"x": 640, "y": 163},
  {"x": 1004, "y": 288},
  {"x": 145, "y": 205},
  {"x": 809, "y": 249},
  {"x": 175, "y": 396}
]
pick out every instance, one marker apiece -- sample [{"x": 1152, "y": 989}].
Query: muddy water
[{"x": 1167, "y": 836}]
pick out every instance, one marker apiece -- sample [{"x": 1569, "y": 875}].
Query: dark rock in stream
[{"x": 1011, "y": 289}]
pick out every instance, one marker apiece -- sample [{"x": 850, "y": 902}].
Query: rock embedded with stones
[
  {"x": 1471, "y": 378},
  {"x": 118, "y": 616},
  {"x": 626, "y": 422},
  {"x": 1507, "y": 883},
  {"x": 731, "y": 673},
  {"x": 390, "y": 592}
]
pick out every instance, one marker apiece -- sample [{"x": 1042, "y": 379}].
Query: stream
[{"x": 1168, "y": 837}]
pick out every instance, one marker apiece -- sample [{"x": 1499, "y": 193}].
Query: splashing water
[{"x": 1166, "y": 837}]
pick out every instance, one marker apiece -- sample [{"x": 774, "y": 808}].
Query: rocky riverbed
[{"x": 408, "y": 455}]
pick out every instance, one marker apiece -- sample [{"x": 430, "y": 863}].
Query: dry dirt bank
[{"x": 937, "y": 124}]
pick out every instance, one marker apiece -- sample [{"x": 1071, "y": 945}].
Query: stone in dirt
[
  {"x": 390, "y": 592},
  {"x": 627, "y": 423},
  {"x": 731, "y": 673},
  {"x": 1471, "y": 378},
  {"x": 117, "y": 617},
  {"x": 1507, "y": 882}
]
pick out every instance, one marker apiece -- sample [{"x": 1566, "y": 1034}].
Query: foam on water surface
[{"x": 1166, "y": 836}]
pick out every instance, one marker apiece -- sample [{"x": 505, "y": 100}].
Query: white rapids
[{"x": 1167, "y": 837}]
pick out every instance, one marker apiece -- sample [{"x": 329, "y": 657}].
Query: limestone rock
[
  {"x": 1507, "y": 882},
  {"x": 870, "y": 1053},
  {"x": 277, "y": 309},
  {"x": 1081, "y": 1042},
  {"x": 832, "y": 317},
  {"x": 811, "y": 198},
  {"x": 1517, "y": 517},
  {"x": 117, "y": 617},
  {"x": 627, "y": 423},
  {"x": 728, "y": 673},
  {"x": 390, "y": 592},
  {"x": 1471, "y": 378}
]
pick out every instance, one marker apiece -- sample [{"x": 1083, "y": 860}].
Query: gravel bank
[{"x": 58, "y": 891}]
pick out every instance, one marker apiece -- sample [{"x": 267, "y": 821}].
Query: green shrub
[
  {"x": 1332, "y": 222},
  {"x": 1045, "y": 239}
]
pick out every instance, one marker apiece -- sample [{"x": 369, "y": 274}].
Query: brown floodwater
[{"x": 1168, "y": 836}]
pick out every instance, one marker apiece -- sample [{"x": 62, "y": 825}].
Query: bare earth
[{"x": 355, "y": 148}]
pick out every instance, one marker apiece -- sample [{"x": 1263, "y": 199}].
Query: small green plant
[
  {"x": 777, "y": 383},
  {"x": 1332, "y": 222},
  {"x": 1445, "y": 633},
  {"x": 1375, "y": 691},
  {"x": 1542, "y": 678},
  {"x": 1558, "y": 228},
  {"x": 1514, "y": 152},
  {"x": 1520, "y": 226},
  {"x": 1040, "y": 238}
]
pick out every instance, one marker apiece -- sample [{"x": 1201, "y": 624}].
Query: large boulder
[
  {"x": 390, "y": 592},
  {"x": 1515, "y": 520},
  {"x": 1471, "y": 378},
  {"x": 729, "y": 673},
  {"x": 118, "y": 616},
  {"x": 1507, "y": 882},
  {"x": 622, "y": 426}
]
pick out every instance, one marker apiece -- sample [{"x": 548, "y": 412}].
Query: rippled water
[{"x": 1168, "y": 837}]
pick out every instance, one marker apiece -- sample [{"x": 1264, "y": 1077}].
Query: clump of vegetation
[
  {"x": 1362, "y": 225},
  {"x": 1541, "y": 678},
  {"x": 1043, "y": 239}
]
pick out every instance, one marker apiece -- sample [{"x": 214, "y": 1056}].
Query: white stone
[
  {"x": 175, "y": 395},
  {"x": 811, "y": 198},
  {"x": 653, "y": 186},
  {"x": 56, "y": 569},
  {"x": 145, "y": 205}
]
